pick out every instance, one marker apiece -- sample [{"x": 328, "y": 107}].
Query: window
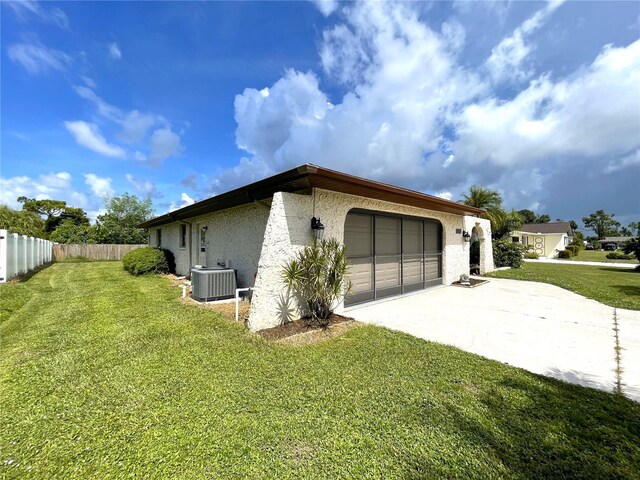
[
  {"x": 515, "y": 239},
  {"x": 203, "y": 239},
  {"x": 159, "y": 237},
  {"x": 183, "y": 235}
]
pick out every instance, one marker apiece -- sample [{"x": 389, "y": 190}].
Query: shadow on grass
[
  {"x": 628, "y": 289},
  {"x": 620, "y": 270},
  {"x": 536, "y": 428},
  {"x": 25, "y": 277}
]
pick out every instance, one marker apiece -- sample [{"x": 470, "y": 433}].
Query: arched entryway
[{"x": 476, "y": 254}]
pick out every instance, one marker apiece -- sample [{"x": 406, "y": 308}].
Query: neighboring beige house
[
  {"x": 398, "y": 240},
  {"x": 546, "y": 239}
]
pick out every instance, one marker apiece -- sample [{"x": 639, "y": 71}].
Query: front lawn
[
  {"x": 105, "y": 375},
  {"x": 597, "y": 256},
  {"x": 618, "y": 287}
]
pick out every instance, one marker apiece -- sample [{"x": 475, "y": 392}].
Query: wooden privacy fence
[
  {"x": 92, "y": 252},
  {"x": 21, "y": 254}
]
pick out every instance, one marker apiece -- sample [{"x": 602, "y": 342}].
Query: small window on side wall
[
  {"x": 203, "y": 239},
  {"x": 183, "y": 236},
  {"x": 159, "y": 237}
]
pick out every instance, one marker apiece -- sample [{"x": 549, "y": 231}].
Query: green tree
[
  {"x": 625, "y": 232},
  {"x": 543, "y": 219},
  {"x": 632, "y": 247},
  {"x": 502, "y": 221},
  {"x": 55, "y": 212},
  {"x": 120, "y": 222},
  {"x": 528, "y": 216},
  {"x": 574, "y": 225},
  {"x": 68, "y": 231},
  {"x": 601, "y": 223},
  {"x": 22, "y": 222},
  {"x": 578, "y": 238},
  {"x": 635, "y": 228},
  {"x": 481, "y": 197}
]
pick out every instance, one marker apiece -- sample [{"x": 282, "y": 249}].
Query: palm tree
[
  {"x": 502, "y": 221},
  {"x": 481, "y": 197}
]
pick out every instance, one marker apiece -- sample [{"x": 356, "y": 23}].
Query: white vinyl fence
[{"x": 21, "y": 254}]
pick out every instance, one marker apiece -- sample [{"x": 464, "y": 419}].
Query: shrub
[
  {"x": 565, "y": 254},
  {"x": 632, "y": 247},
  {"x": 618, "y": 256},
  {"x": 317, "y": 276},
  {"x": 507, "y": 254},
  {"x": 574, "y": 249},
  {"x": 531, "y": 255},
  {"x": 146, "y": 260}
]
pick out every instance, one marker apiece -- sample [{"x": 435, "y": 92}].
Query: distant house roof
[
  {"x": 304, "y": 178},
  {"x": 615, "y": 239},
  {"x": 555, "y": 227}
]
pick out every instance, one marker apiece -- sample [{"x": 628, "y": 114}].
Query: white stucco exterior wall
[
  {"x": 234, "y": 236},
  {"x": 288, "y": 230},
  {"x": 486, "y": 247}
]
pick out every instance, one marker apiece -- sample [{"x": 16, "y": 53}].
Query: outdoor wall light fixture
[
  {"x": 466, "y": 236},
  {"x": 317, "y": 228}
]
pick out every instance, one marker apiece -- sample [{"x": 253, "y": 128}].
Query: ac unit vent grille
[{"x": 212, "y": 284}]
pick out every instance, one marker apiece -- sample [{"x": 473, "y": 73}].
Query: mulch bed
[
  {"x": 474, "y": 282},
  {"x": 296, "y": 327}
]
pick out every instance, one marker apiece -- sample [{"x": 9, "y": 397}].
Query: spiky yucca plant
[{"x": 317, "y": 277}]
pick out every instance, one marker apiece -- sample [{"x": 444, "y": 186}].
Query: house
[
  {"x": 617, "y": 241},
  {"x": 546, "y": 239},
  {"x": 398, "y": 240}
]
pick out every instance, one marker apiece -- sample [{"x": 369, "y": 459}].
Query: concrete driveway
[{"x": 541, "y": 328}]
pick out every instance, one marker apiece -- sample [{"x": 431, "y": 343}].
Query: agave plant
[{"x": 317, "y": 277}]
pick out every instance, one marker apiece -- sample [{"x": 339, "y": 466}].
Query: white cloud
[
  {"x": 626, "y": 161},
  {"x": 89, "y": 81},
  {"x": 100, "y": 186},
  {"x": 445, "y": 195},
  {"x": 413, "y": 116},
  {"x": 135, "y": 128},
  {"x": 51, "y": 185},
  {"x": 327, "y": 7},
  {"x": 136, "y": 125},
  {"x": 592, "y": 114},
  {"x": 37, "y": 58},
  {"x": 114, "y": 51},
  {"x": 23, "y": 9},
  {"x": 88, "y": 135},
  {"x": 185, "y": 201},
  {"x": 105, "y": 109},
  {"x": 146, "y": 187},
  {"x": 507, "y": 58},
  {"x": 164, "y": 144},
  {"x": 407, "y": 86}
]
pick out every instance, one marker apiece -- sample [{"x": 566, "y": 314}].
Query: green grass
[
  {"x": 597, "y": 256},
  {"x": 105, "y": 375},
  {"x": 617, "y": 287}
]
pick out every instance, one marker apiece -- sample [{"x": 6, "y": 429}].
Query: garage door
[{"x": 391, "y": 255}]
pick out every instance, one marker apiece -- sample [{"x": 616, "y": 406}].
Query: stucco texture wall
[
  {"x": 234, "y": 236},
  {"x": 288, "y": 230}
]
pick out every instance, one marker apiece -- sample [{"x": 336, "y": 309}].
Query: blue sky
[{"x": 181, "y": 101}]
